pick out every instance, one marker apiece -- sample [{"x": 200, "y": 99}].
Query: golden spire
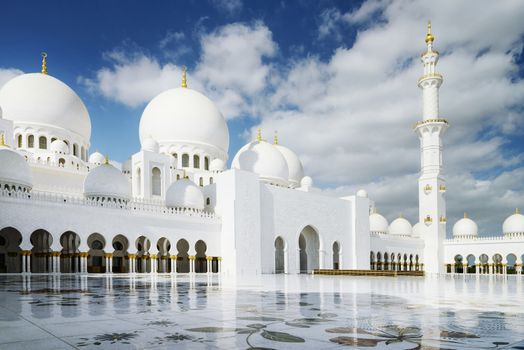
[
  {"x": 275, "y": 138},
  {"x": 259, "y": 135},
  {"x": 401, "y": 215},
  {"x": 2, "y": 141},
  {"x": 184, "y": 76},
  {"x": 517, "y": 211},
  {"x": 107, "y": 159},
  {"x": 44, "y": 62},
  {"x": 429, "y": 36},
  {"x": 465, "y": 215}
]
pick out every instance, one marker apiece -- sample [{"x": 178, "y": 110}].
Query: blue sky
[{"x": 337, "y": 79}]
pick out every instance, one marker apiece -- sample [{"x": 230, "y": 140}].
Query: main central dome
[{"x": 184, "y": 116}]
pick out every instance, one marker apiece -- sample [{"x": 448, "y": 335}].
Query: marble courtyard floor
[{"x": 266, "y": 312}]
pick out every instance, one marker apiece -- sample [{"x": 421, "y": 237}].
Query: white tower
[{"x": 432, "y": 186}]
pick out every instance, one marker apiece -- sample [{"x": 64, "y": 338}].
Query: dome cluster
[
  {"x": 273, "y": 163},
  {"x": 398, "y": 227}
]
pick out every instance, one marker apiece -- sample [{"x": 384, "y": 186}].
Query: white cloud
[
  {"x": 229, "y": 7},
  {"x": 7, "y": 74}
]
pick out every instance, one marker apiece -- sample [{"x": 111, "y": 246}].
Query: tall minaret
[{"x": 431, "y": 184}]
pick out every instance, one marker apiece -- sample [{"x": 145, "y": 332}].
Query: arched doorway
[
  {"x": 200, "y": 257},
  {"x": 120, "y": 245},
  {"x": 280, "y": 266},
  {"x": 458, "y": 264},
  {"x": 10, "y": 257},
  {"x": 336, "y": 256},
  {"x": 379, "y": 261},
  {"x": 70, "y": 258},
  {"x": 96, "y": 259},
  {"x": 163, "y": 247},
  {"x": 497, "y": 263},
  {"x": 309, "y": 245},
  {"x": 511, "y": 261},
  {"x": 371, "y": 261},
  {"x": 41, "y": 241},
  {"x": 182, "y": 260},
  {"x": 483, "y": 258},
  {"x": 472, "y": 266},
  {"x": 142, "y": 256}
]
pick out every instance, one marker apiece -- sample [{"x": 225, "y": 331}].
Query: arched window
[
  {"x": 61, "y": 162},
  {"x": 185, "y": 160},
  {"x": 53, "y": 139},
  {"x": 30, "y": 141},
  {"x": 19, "y": 141},
  {"x": 208, "y": 201},
  {"x": 206, "y": 163},
  {"x": 42, "y": 142},
  {"x": 82, "y": 153},
  {"x": 156, "y": 183},
  {"x": 75, "y": 150},
  {"x": 139, "y": 181},
  {"x": 196, "y": 161},
  {"x": 201, "y": 181},
  {"x": 176, "y": 160},
  {"x": 178, "y": 177},
  {"x": 211, "y": 180}
]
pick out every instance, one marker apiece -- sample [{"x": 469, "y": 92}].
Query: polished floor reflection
[{"x": 266, "y": 312}]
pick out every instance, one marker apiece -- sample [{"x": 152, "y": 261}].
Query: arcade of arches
[
  {"x": 383, "y": 261},
  {"x": 117, "y": 256},
  {"x": 484, "y": 264}
]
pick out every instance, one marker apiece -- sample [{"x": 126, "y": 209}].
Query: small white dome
[
  {"x": 294, "y": 165},
  {"x": 14, "y": 169},
  {"x": 107, "y": 181},
  {"x": 217, "y": 164},
  {"x": 513, "y": 224},
  {"x": 126, "y": 166},
  {"x": 465, "y": 227},
  {"x": 417, "y": 230},
  {"x": 306, "y": 181},
  {"x": 41, "y": 99},
  {"x": 184, "y": 193},
  {"x": 97, "y": 158},
  {"x": 184, "y": 116},
  {"x": 378, "y": 223},
  {"x": 59, "y": 146},
  {"x": 400, "y": 227},
  {"x": 362, "y": 193},
  {"x": 264, "y": 159},
  {"x": 149, "y": 144}
]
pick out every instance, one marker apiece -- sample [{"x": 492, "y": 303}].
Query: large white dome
[
  {"x": 400, "y": 227},
  {"x": 513, "y": 224},
  {"x": 43, "y": 100},
  {"x": 183, "y": 115},
  {"x": 465, "y": 227},
  {"x": 296, "y": 171},
  {"x": 264, "y": 159},
  {"x": 378, "y": 223},
  {"x": 106, "y": 181},
  {"x": 14, "y": 169},
  {"x": 184, "y": 193}
]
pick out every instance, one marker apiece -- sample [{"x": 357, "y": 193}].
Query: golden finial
[
  {"x": 44, "y": 62},
  {"x": 259, "y": 135},
  {"x": 275, "y": 138},
  {"x": 429, "y": 36},
  {"x": 465, "y": 215},
  {"x": 517, "y": 211},
  {"x": 401, "y": 215},
  {"x": 2, "y": 141},
  {"x": 184, "y": 76},
  {"x": 107, "y": 159}
]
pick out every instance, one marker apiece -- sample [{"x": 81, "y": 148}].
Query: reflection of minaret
[{"x": 432, "y": 205}]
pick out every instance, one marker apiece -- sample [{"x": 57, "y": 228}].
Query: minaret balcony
[{"x": 431, "y": 121}]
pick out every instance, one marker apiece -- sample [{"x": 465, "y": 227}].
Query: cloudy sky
[{"x": 337, "y": 79}]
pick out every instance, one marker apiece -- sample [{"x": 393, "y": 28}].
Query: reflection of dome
[
  {"x": 149, "y": 144},
  {"x": 14, "y": 170},
  {"x": 184, "y": 115},
  {"x": 263, "y": 159},
  {"x": 106, "y": 181},
  {"x": 59, "y": 146},
  {"x": 44, "y": 100},
  {"x": 378, "y": 223},
  {"x": 465, "y": 227},
  {"x": 417, "y": 230},
  {"x": 362, "y": 193},
  {"x": 184, "y": 193},
  {"x": 401, "y": 227},
  {"x": 217, "y": 164},
  {"x": 97, "y": 158},
  {"x": 513, "y": 224},
  {"x": 296, "y": 171}
]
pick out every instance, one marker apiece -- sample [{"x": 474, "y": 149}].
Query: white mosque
[{"x": 174, "y": 206}]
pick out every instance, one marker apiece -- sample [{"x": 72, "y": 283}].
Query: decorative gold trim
[
  {"x": 429, "y": 37},
  {"x": 44, "y": 62},
  {"x": 429, "y": 121}
]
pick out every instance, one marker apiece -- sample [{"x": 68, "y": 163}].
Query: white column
[
  {"x": 191, "y": 264},
  {"x": 28, "y": 266},
  {"x": 23, "y": 262},
  {"x": 173, "y": 264},
  {"x": 464, "y": 269},
  {"x": 219, "y": 264},
  {"x": 154, "y": 264}
]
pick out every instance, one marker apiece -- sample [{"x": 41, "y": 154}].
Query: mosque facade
[{"x": 175, "y": 206}]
